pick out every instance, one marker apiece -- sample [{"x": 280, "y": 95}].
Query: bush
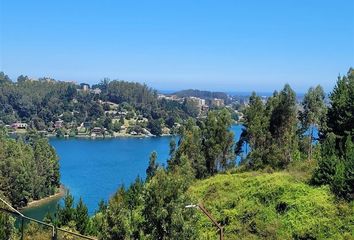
[{"x": 325, "y": 171}]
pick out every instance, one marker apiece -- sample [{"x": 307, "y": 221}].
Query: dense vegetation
[
  {"x": 336, "y": 163},
  {"x": 29, "y": 169},
  {"x": 271, "y": 130},
  {"x": 278, "y": 136},
  {"x": 290, "y": 185},
  {"x": 207, "y": 145}
]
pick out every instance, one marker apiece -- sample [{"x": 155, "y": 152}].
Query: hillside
[
  {"x": 107, "y": 109},
  {"x": 258, "y": 205}
]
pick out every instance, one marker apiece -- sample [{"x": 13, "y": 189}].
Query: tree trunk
[{"x": 309, "y": 156}]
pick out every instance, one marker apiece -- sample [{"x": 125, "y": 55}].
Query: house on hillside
[
  {"x": 85, "y": 87},
  {"x": 58, "y": 124},
  {"x": 217, "y": 102},
  {"x": 97, "y": 131},
  {"x": 19, "y": 125},
  {"x": 122, "y": 113},
  {"x": 96, "y": 91}
]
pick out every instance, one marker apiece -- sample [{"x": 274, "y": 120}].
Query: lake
[{"x": 94, "y": 168}]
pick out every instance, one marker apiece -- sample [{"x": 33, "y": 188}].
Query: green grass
[{"x": 278, "y": 205}]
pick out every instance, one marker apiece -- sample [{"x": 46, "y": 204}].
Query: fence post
[{"x": 55, "y": 233}]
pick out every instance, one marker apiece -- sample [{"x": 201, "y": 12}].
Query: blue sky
[{"x": 217, "y": 45}]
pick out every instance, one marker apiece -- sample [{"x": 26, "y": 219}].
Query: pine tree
[
  {"x": 326, "y": 169},
  {"x": 343, "y": 180},
  {"x": 172, "y": 148},
  {"x": 134, "y": 201},
  {"x": 150, "y": 171},
  {"x": 340, "y": 119},
  {"x": 116, "y": 224},
  {"x": 336, "y": 166},
  {"x": 81, "y": 217},
  {"x": 66, "y": 214}
]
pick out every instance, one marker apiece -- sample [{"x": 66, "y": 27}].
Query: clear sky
[{"x": 176, "y": 44}]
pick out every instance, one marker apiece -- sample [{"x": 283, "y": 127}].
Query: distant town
[{"x": 103, "y": 110}]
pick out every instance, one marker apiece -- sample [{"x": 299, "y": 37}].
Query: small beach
[{"x": 36, "y": 203}]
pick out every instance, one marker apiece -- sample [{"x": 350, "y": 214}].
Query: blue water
[{"x": 94, "y": 169}]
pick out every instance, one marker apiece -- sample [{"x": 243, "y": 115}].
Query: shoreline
[
  {"x": 36, "y": 203},
  {"x": 111, "y": 137},
  {"x": 100, "y": 137}
]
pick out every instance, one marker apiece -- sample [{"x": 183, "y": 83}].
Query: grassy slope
[{"x": 277, "y": 205}]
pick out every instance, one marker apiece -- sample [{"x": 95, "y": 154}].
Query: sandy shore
[{"x": 61, "y": 193}]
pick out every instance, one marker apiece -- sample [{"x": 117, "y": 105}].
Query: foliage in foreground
[
  {"x": 279, "y": 136},
  {"x": 336, "y": 164},
  {"x": 257, "y": 205},
  {"x": 29, "y": 170}
]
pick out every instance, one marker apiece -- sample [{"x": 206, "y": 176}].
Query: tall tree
[
  {"x": 313, "y": 114},
  {"x": 22, "y": 78},
  {"x": 47, "y": 166},
  {"x": 326, "y": 169},
  {"x": 164, "y": 201},
  {"x": 155, "y": 126},
  {"x": 67, "y": 213},
  {"x": 7, "y": 223},
  {"x": 217, "y": 141},
  {"x": 7, "y": 226},
  {"x": 81, "y": 217},
  {"x": 116, "y": 223},
  {"x": 283, "y": 125},
  {"x": 336, "y": 166},
  {"x": 4, "y": 78},
  {"x": 151, "y": 170},
  {"x": 340, "y": 119},
  {"x": 191, "y": 148},
  {"x": 256, "y": 132}
]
